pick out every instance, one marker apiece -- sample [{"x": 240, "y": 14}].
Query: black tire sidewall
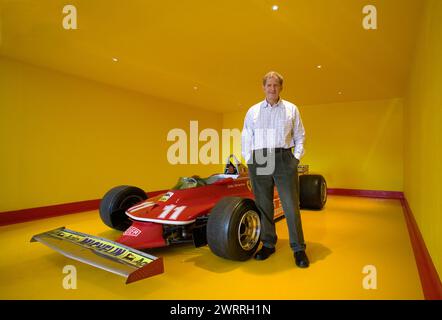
[
  {"x": 310, "y": 191},
  {"x": 223, "y": 225},
  {"x": 113, "y": 200}
]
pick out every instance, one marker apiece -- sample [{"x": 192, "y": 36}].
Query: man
[{"x": 271, "y": 129}]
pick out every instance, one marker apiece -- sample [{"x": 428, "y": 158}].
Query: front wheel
[
  {"x": 234, "y": 228},
  {"x": 114, "y": 204}
]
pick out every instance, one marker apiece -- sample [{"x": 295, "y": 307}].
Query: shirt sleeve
[
  {"x": 298, "y": 135},
  {"x": 247, "y": 138}
]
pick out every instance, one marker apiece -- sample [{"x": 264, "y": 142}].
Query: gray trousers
[{"x": 285, "y": 177}]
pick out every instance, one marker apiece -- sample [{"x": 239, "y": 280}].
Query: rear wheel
[
  {"x": 234, "y": 228},
  {"x": 114, "y": 204},
  {"x": 313, "y": 191}
]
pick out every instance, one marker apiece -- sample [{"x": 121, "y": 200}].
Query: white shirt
[{"x": 277, "y": 126}]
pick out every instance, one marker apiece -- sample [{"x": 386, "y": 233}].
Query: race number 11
[{"x": 176, "y": 211}]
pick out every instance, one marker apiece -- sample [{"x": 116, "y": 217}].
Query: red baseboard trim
[
  {"x": 430, "y": 281},
  {"x": 25, "y": 215},
  {"x": 366, "y": 193}
]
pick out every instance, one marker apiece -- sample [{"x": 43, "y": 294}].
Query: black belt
[{"x": 275, "y": 150}]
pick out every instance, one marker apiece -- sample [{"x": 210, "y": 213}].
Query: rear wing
[{"x": 102, "y": 253}]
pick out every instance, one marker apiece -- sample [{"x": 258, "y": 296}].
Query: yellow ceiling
[{"x": 168, "y": 48}]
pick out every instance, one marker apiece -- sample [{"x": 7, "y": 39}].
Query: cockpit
[{"x": 232, "y": 170}]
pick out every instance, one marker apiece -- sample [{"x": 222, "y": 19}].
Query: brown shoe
[{"x": 264, "y": 253}]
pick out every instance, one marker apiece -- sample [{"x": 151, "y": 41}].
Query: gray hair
[{"x": 273, "y": 74}]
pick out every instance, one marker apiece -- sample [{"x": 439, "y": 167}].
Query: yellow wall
[
  {"x": 423, "y": 133},
  {"x": 66, "y": 139},
  {"x": 69, "y": 139},
  {"x": 355, "y": 145}
]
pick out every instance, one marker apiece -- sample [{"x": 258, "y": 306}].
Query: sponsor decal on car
[
  {"x": 236, "y": 185},
  {"x": 107, "y": 248},
  {"x": 166, "y": 196},
  {"x": 132, "y": 232}
]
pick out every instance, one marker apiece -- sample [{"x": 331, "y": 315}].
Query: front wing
[{"x": 114, "y": 257}]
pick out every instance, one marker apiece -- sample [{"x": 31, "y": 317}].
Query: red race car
[{"x": 218, "y": 211}]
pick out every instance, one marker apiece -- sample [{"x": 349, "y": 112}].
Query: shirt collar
[{"x": 265, "y": 104}]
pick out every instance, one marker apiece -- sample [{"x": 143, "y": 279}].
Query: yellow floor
[{"x": 347, "y": 235}]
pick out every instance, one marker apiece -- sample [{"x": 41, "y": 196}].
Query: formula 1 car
[{"x": 218, "y": 211}]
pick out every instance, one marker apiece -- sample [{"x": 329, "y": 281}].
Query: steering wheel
[{"x": 191, "y": 180}]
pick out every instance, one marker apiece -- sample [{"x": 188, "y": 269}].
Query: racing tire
[
  {"x": 312, "y": 191},
  {"x": 234, "y": 228},
  {"x": 114, "y": 204}
]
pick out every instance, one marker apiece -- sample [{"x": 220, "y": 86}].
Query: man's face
[{"x": 272, "y": 88}]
